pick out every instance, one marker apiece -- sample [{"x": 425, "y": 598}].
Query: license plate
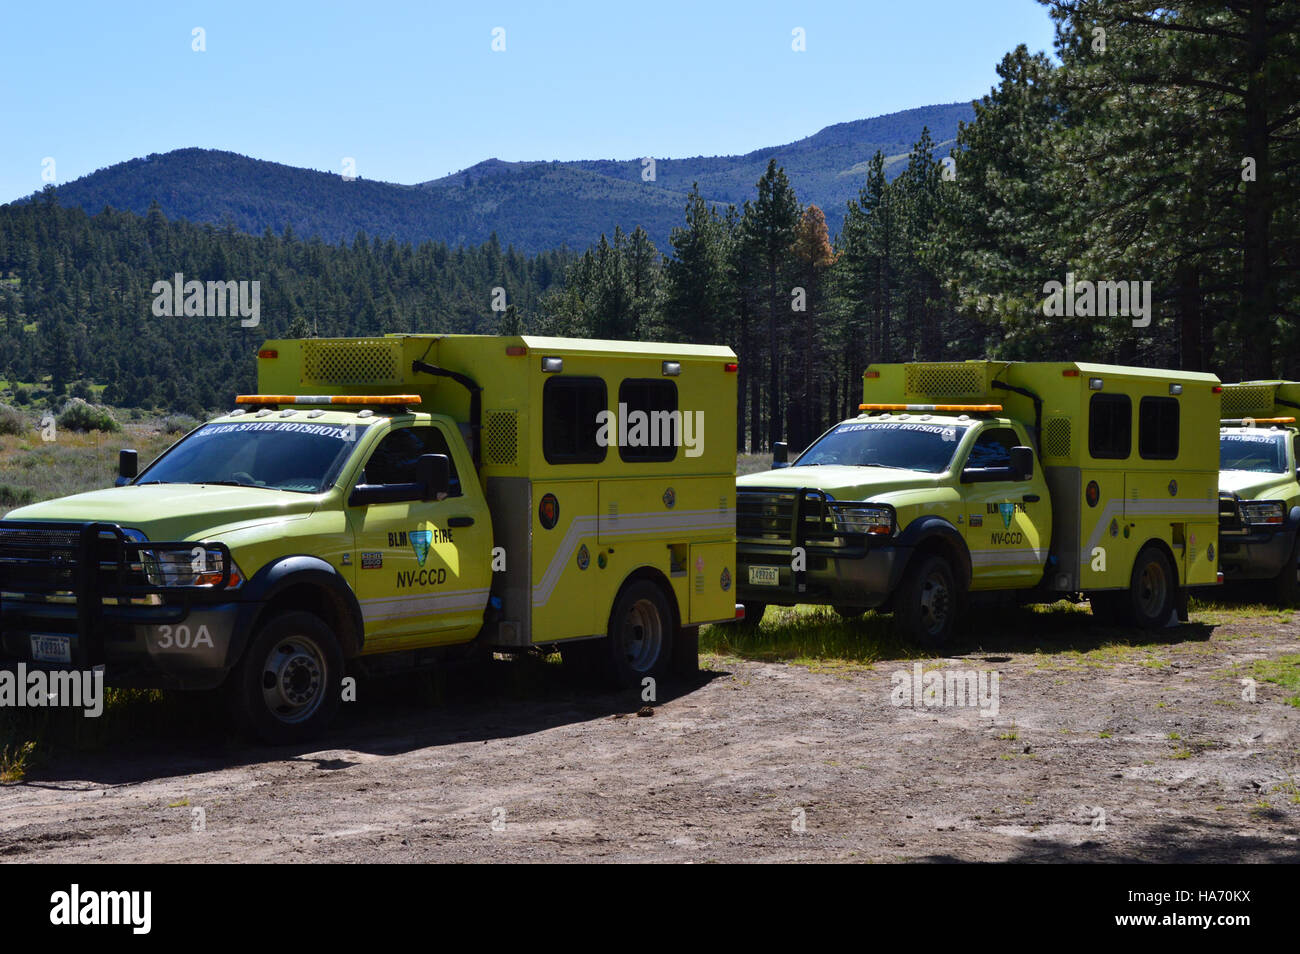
[
  {"x": 52, "y": 648},
  {"x": 765, "y": 575}
]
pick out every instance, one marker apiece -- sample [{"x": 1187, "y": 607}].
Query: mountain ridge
[{"x": 530, "y": 204}]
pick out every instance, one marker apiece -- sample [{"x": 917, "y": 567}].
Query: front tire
[
  {"x": 927, "y": 603},
  {"x": 287, "y": 688}
]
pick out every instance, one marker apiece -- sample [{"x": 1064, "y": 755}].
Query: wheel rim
[
  {"x": 936, "y": 603},
  {"x": 642, "y": 635},
  {"x": 1152, "y": 589},
  {"x": 293, "y": 679}
]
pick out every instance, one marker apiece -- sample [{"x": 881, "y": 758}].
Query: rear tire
[
  {"x": 927, "y": 603},
  {"x": 1152, "y": 591},
  {"x": 288, "y": 685},
  {"x": 638, "y": 644}
]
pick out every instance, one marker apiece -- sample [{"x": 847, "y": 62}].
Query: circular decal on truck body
[{"x": 548, "y": 511}]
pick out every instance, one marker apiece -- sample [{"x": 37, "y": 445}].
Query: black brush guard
[
  {"x": 793, "y": 517},
  {"x": 91, "y": 562}
]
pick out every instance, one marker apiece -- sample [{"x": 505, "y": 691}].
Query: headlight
[
  {"x": 862, "y": 518},
  {"x": 196, "y": 567},
  {"x": 1263, "y": 512}
]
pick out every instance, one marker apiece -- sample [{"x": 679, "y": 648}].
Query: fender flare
[
  {"x": 1293, "y": 519},
  {"x": 280, "y": 574},
  {"x": 931, "y": 527}
]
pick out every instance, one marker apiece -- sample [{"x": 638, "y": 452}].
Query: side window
[
  {"x": 658, "y": 400},
  {"x": 993, "y": 448},
  {"x": 1158, "y": 428},
  {"x": 1110, "y": 426},
  {"x": 393, "y": 461},
  {"x": 1295, "y": 452},
  {"x": 569, "y": 408}
]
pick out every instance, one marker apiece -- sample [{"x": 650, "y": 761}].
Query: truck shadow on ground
[
  {"x": 803, "y": 633},
  {"x": 1190, "y": 842},
  {"x": 1027, "y": 631},
  {"x": 187, "y": 733}
]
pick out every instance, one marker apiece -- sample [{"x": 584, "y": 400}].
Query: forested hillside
[{"x": 76, "y": 299}]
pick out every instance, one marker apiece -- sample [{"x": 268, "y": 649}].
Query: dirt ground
[{"x": 1097, "y": 753}]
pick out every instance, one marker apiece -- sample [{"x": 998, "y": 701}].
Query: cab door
[
  {"x": 1008, "y": 522},
  {"x": 423, "y": 567}
]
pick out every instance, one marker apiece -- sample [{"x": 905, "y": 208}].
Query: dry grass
[{"x": 32, "y": 469}]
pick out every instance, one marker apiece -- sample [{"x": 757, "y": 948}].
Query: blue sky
[{"x": 413, "y": 91}]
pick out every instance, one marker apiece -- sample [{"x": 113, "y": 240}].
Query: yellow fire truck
[
  {"x": 1259, "y": 486},
  {"x": 1038, "y": 480},
  {"x": 388, "y": 500}
]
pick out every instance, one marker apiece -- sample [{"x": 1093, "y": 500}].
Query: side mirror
[
  {"x": 433, "y": 474},
  {"x": 780, "y": 454},
  {"x": 128, "y": 465},
  {"x": 1022, "y": 462}
]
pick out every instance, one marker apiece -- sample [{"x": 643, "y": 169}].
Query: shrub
[
  {"x": 12, "y": 420},
  {"x": 178, "y": 424},
  {"x": 11, "y": 496},
  {"x": 77, "y": 415},
  {"x": 23, "y": 396}
]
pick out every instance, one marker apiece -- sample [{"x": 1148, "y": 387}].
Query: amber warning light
[
  {"x": 968, "y": 408},
  {"x": 328, "y": 399}
]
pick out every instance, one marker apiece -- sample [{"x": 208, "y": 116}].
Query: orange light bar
[
  {"x": 978, "y": 408},
  {"x": 328, "y": 399},
  {"x": 1258, "y": 420},
  {"x": 871, "y": 374},
  {"x": 268, "y": 353}
]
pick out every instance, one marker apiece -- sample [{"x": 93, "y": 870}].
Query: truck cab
[
  {"x": 968, "y": 479},
  {"x": 365, "y": 511},
  {"x": 1259, "y": 486}
]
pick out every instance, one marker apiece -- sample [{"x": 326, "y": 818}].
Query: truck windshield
[
  {"x": 902, "y": 445},
  {"x": 1262, "y": 453},
  {"x": 279, "y": 455}
]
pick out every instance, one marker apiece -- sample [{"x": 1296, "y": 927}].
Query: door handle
[
  {"x": 1030, "y": 498},
  {"x": 460, "y": 521}
]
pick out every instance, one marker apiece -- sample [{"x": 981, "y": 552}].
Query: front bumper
[
  {"x": 1257, "y": 555},
  {"x": 193, "y": 649},
  {"x": 82, "y": 583},
  {"x": 862, "y": 576},
  {"x": 839, "y": 569}
]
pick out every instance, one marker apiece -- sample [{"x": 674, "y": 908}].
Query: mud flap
[
  {"x": 686, "y": 652},
  {"x": 1180, "y": 604}
]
